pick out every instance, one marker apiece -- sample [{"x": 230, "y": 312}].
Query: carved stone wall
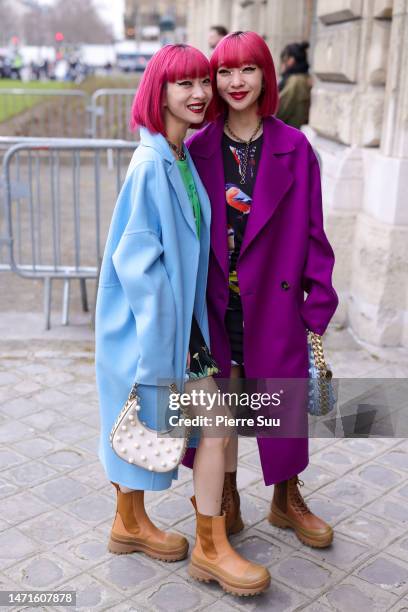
[
  {"x": 350, "y": 63},
  {"x": 359, "y": 125},
  {"x": 278, "y": 21}
]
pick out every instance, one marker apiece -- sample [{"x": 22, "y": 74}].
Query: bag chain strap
[
  {"x": 320, "y": 362},
  {"x": 324, "y": 373},
  {"x": 133, "y": 395},
  {"x": 173, "y": 389}
]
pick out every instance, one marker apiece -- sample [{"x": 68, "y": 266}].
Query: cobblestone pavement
[{"x": 57, "y": 505}]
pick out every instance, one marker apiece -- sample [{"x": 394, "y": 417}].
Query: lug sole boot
[
  {"x": 231, "y": 504},
  {"x": 133, "y": 531},
  {"x": 214, "y": 559},
  {"x": 288, "y": 509}
]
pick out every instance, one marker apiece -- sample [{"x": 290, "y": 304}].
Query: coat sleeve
[
  {"x": 138, "y": 262},
  {"x": 321, "y": 302}
]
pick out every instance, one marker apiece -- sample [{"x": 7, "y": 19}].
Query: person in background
[
  {"x": 294, "y": 85},
  {"x": 35, "y": 71},
  {"x": 45, "y": 69},
  {"x": 216, "y": 34},
  {"x": 16, "y": 66}
]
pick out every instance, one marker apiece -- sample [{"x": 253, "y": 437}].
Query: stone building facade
[{"x": 359, "y": 125}]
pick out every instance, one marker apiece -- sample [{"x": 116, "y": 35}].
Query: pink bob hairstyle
[
  {"x": 168, "y": 65},
  {"x": 240, "y": 48}
]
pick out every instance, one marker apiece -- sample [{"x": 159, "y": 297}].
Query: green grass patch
[
  {"x": 114, "y": 81},
  {"x": 13, "y": 84},
  {"x": 14, "y": 104}
]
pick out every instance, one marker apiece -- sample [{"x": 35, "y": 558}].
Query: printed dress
[{"x": 238, "y": 195}]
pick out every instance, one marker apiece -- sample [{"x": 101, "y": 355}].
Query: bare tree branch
[
  {"x": 7, "y": 22},
  {"x": 78, "y": 20}
]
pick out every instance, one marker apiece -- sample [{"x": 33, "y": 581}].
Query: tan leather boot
[
  {"x": 231, "y": 504},
  {"x": 213, "y": 558},
  {"x": 289, "y": 509},
  {"x": 133, "y": 531}
]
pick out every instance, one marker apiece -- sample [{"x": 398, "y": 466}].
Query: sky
[{"x": 111, "y": 11}]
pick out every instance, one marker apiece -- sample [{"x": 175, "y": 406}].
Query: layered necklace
[
  {"x": 247, "y": 144},
  {"x": 181, "y": 156}
]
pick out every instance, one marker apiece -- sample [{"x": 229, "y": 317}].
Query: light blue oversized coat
[{"x": 153, "y": 275}]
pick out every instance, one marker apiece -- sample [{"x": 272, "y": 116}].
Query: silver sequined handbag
[
  {"x": 322, "y": 392},
  {"x": 148, "y": 448}
]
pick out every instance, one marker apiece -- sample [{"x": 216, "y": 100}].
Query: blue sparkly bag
[{"x": 322, "y": 396}]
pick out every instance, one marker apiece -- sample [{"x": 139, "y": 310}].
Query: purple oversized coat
[{"x": 284, "y": 253}]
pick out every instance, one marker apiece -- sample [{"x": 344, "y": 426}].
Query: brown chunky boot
[
  {"x": 133, "y": 531},
  {"x": 231, "y": 504},
  {"x": 289, "y": 509},
  {"x": 213, "y": 558}
]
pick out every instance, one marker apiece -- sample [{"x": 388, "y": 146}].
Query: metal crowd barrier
[
  {"x": 69, "y": 117},
  {"x": 110, "y": 113},
  {"x": 105, "y": 114},
  {"x": 58, "y": 200}
]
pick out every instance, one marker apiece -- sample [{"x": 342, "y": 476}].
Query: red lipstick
[
  {"x": 196, "y": 108},
  {"x": 239, "y": 95}
]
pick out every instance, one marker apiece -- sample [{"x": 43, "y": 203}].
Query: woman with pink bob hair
[
  {"x": 268, "y": 248},
  {"x": 152, "y": 325}
]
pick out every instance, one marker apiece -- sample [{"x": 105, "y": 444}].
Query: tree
[
  {"x": 8, "y": 22},
  {"x": 35, "y": 27},
  {"x": 77, "y": 19}
]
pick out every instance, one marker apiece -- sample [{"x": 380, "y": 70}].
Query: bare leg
[
  {"x": 231, "y": 453},
  {"x": 208, "y": 475},
  {"x": 213, "y": 557},
  {"x": 209, "y": 462}
]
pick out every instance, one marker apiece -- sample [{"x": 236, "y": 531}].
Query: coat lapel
[
  {"x": 207, "y": 155},
  {"x": 273, "y": 181},
  {"x": 216, "y": 193},
  {"x": 202, "y": 195},
  {"x": 202, "y": 272},
  {"x": 159, "y": 143},
  {"x": 182, "y": 195}
]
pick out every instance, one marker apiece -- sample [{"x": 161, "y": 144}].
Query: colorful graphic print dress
[{"x": 238, "y": 197}]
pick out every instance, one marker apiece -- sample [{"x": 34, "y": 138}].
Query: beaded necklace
[{"x": 247, "y": 145}]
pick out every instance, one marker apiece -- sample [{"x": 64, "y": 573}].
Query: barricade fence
[
  {"x": 65, "y": 113},
  {"x": 58, "y": 193},
  {"x": 110, "y": 113},
  {"x": 45, "y": 112},
  {"x": 58, "y": 201}
]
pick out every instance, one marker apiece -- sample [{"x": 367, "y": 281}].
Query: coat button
[{"x": 285, "y": 285}]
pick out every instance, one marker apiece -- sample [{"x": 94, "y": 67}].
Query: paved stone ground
[{"x": 57, "y": 505}]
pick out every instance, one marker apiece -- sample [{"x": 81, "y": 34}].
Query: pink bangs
[
  {"x": 190, "y": 62},
  {"x": 169, "y": 64},
  {"x": 240, "y": 48}
]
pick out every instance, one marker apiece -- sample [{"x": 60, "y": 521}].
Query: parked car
[
  {"x": 5, "y": 67},
  {"x": 132, "y": 61}
]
